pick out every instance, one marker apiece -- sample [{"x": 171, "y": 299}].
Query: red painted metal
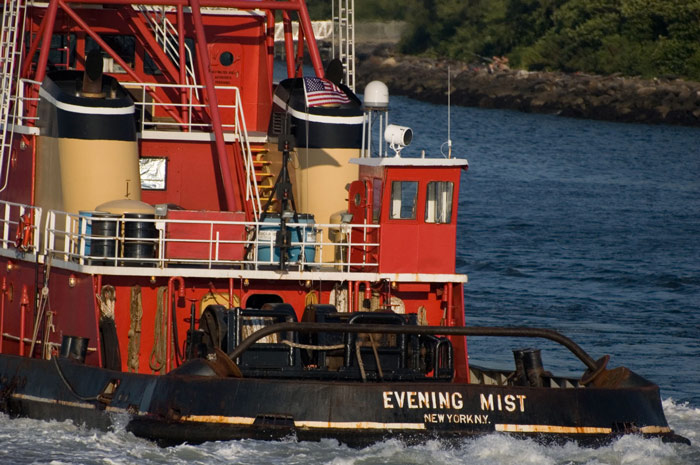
[
  {"x": 96, "y": 37},
  {"x": 288, "y": 44},
  {"x": 46, "y": 41},
  {"x": 305, "y": 25},
  {"x": 459, "y": 343},
  {"x": 234, "y": 198},
  {"x": 169, "y": 321},
  {"x": 38, "y": 38},
  {"x": 97, "y": 290},
  {"x": 23, "y": 304},
  {"x": 189, "y": 238},
  {"x": 239, "y": 4},
  {"x": 413, "y": 245},
  {"x": 298, "y": 63},
  {"x": 2, "y": 311},
  {"x": 194, "y": 167},
  {"x": 270, "y": 44}
]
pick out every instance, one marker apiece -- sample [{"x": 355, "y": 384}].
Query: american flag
[{"x": 323, "y": 92}]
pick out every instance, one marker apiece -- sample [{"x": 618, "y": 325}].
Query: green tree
[{"x": 635, "y": 37}]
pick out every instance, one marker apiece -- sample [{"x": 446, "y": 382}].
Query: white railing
[
  {"x": 323, "y": 30},
  {"x": 20, "y": 227},
  {"x": 167, "y": 243},
  {"x": 252, "y": 193},
  {"x": 21, "y": 101},
  {"x": 148, "y": 109},
  {"x": 8, "y": 57},
  {"x": 166, "y": 35}
]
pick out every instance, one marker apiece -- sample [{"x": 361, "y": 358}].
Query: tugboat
[{"x": 218, "y": 256}]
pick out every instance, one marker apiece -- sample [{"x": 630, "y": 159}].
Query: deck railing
[
  {"x": 166, "y": 243},
  {"x": 20, "y": 227}
]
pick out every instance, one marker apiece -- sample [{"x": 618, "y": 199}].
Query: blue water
[{"x": 590, "y": 228}]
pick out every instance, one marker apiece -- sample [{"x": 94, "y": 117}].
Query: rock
[
  {"x": 645, "y": 91},
  {"x": 614, "y": 98}
]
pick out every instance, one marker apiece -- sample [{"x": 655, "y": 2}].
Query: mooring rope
[
  {"x": 157, "y": 359},
  {"x": 107, "y": 298},
  {"x": 136, "y": 314},
  {"x": 360, "y": 362},
  {"x": 297, "y": 345}
]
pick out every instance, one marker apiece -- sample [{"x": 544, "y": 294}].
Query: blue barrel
[
  {"x": 85, "y": 220},
  {"x": 268, "y": 234}
]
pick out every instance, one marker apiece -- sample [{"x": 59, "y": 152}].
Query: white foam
[{"x": 63, "y": 443}]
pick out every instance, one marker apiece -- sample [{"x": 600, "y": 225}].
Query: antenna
[
  {"x": 449, "y": 129},
  {"x": 449, "y": 121}
]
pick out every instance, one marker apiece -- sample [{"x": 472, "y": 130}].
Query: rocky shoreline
[{"x": 611, "y": 98}]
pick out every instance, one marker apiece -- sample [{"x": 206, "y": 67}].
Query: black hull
[{"x": 175, "y": 409}]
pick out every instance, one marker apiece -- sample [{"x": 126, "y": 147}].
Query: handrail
[
  {"x": 252, "y": 192},
  {"x": 494, "y": 331},
  {"x": 183, "y": 242},
  {"x": 19, "y": 226},
  {"x": 192, "y": 105},
  {"x": 165, "y": 30}
]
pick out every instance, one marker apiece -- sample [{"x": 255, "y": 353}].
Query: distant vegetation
[{"x": 633, "y": 37}]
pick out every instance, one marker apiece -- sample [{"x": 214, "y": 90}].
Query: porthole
[{"x": 226, "y": 58}]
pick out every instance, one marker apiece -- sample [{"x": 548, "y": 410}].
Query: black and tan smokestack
[{"x": 92, "y": 77}]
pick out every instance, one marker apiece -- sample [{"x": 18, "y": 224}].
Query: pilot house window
[
  {"x": 438, "y": 202},
  {"x": 403, "y": 200}
]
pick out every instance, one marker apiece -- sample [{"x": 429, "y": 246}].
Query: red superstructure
[{"x": 200, "y": 75}]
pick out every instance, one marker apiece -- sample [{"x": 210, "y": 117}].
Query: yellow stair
[{"x": 263, "y": 175}]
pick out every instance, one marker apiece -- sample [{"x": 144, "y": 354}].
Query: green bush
[{"x": 632, "y": 37}]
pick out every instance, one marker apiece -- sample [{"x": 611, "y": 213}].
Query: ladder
[
  {"x": 167, "y": 36},
  {"x": 344, "y": 33},
  {"x": 264, "y": 176},
  {"x": 8, "y": 55}
]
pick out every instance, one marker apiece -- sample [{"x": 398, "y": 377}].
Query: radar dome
[{"x": 376, "y": 96}]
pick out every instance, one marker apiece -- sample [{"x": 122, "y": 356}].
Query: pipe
[
  {"x": 24, "y": 303},
  {"x": 299, "y": 62},
  {"x": 450, "y": 307},
  {"x": 97, "y": 291},
  {"x": 305, "y": 25},
  {"x": 270, "y": 43},
  {"x": 46, "y": 42},
  {"x": 168, "y": 319},
  {"x": 2, "y": 311},
  {"x": 288, "y": 44},
  {"x": 495, "y": 331},
  {"x": 356, "y": 296},
  {"x": 26, "y": 67}
]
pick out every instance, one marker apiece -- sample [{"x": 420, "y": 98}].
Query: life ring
[{"x": 24, "y": 232}]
